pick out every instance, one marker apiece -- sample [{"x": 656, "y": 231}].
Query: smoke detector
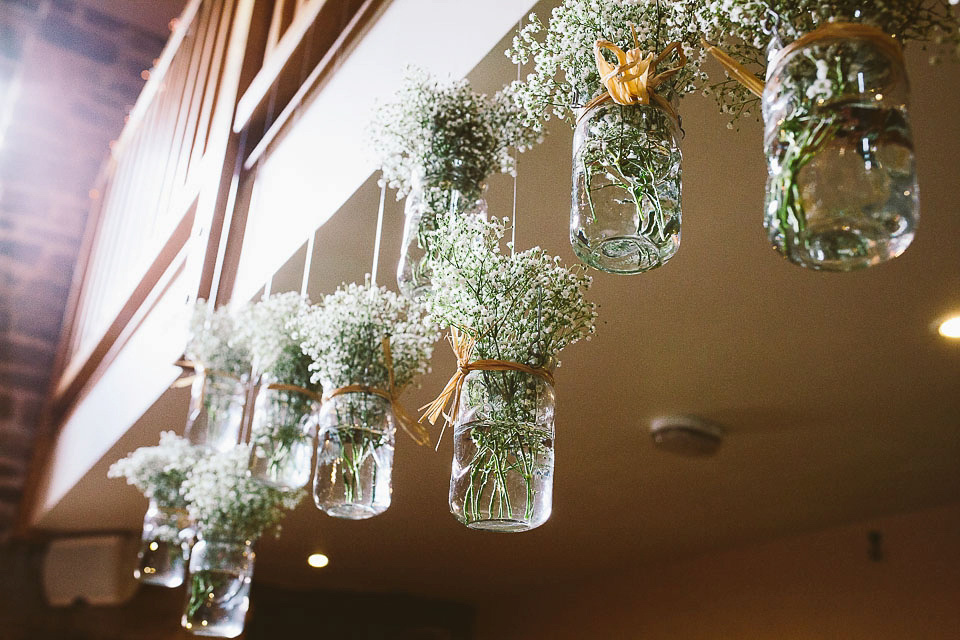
[{"x": 686, "y": 435}]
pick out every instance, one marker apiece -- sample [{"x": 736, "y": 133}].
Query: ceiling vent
[{"x": 686, "y": 435}]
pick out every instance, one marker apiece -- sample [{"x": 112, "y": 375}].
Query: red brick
[
  {"x": 26, "y": 355},
  {"x": 6, "y": 405},
  {"x": 15, "y": 440},
  {"x": 25, "y": 252}
]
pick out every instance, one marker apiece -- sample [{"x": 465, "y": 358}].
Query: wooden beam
[
  {"x": 79, "y": 371},
  {"x": 274, "y": 62}
]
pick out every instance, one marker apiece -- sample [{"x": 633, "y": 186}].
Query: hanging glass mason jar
[
  {"x": 842, "y": 188},
  {"x": 218, "y": 590},
  {"x": 216, "y": 409},
  {"x": 503, "y": 441},
  {"x": 428, "y": 199},
  {"x": 355, "y": 442},
  {"x": 625, "y": 215},
  {"x": 281, "y": 433},
  {"x": 164, "y": 546}
]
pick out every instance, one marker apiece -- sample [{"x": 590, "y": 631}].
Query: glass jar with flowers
[
  {"x": 842, "y": 189},
  {"x": 231, "y": 510},
  {"x": 287, "y": 400},
  {"x": 615, "y": 71},
  {"x": 510, "y": 315},
  {"x": 221, "y": 376},
  {"x": 367, "y": 344},
  {"x": 158, "y": 472},
  {"x": 437, "y": 143}
]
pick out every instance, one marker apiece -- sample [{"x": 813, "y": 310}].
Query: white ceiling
[{"x": 841, "y": 401}]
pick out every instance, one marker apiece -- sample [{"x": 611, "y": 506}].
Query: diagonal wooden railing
[
  {"x": 147, "y": 196},
  {"x": 163, "y": 208}
]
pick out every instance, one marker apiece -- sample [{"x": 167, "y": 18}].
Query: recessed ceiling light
[
  {"x": 318, "y": 560},
  {"x": 950, "y": 328},
  {"x": 686, "y": 435}
]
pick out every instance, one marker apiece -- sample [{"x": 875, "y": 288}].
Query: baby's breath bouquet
[
  {"x": 345, "y": 337},
  {"x": 214, "y": 341},
  {"x": 842, "y": 189},
  {"x": 438, "y": 141},
  {"x": 232, "y": 510},
  {"x": 615, "y": 69},
  {"x": 221, "y": 361},
  {"x": 520, "y": 309},
  {"x": 227, "y": 503},
  {"x": 281, "y": 428},
  {"x": 565, "y": 77},
  {"x": 444, "y": 132},
  {"x": 159, "y": 472},
  {"x": 753, "y": 30}
]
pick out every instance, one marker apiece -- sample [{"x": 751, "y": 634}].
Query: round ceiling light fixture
[
  {"x": 686, "y": 435},
  {"x": 318, "y": 560}
]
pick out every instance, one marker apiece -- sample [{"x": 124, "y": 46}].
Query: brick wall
[{"x": 69, "y": 73}]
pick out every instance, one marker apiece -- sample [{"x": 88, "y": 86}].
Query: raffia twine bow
[
  {"x": 447, "y": 404},
  {"x": 190, "y": 365},
  {"x": 414, "y": 429},
  {"x": 634, "y": 79},
  {"x": 279, "y": 386},
  {"x": 831, "y": 30}
]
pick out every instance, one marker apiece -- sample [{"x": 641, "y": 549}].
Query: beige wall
[{"x": 814, "y": 586}]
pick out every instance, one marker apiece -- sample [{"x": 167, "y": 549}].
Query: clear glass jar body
[
  {"x": 281, "y": 432},
  {"x": 426, "y": 201},
  {"x": 625, "y": 214},
  {"x": 503, "y": 449},
  {"x": 218, "y": 589},
  {"x": 355, "y": 442},
  {"x": 842, "y": 187},
  {"x": 164, "y": 546},
  {"x": 216, "y": 410}
]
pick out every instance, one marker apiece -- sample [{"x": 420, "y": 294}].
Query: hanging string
[
  {"x": 297, "y": 114},
  {"x": 376, "y": 242},
  {"x": 516, "y": 171}
]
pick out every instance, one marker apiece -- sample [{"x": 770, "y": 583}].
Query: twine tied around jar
[
  {"x": 462, "y": 344},
  {"x": 830, "y": 30},
  {"x": 279, "y": 386},
  {"x": 187, "y": 380},
  {"x": 634, "y": 79},
  {"x": 413, "y": 428}
]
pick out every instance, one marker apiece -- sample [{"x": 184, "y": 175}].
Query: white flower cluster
[
  {"x": 269, "y": 330},
  {"x": 746, "y": 28},
  {"x": 159, "y": 471},
  {"x": 215, "y": 342},
  {"x": 344, "y": 336},
  {"x": 443, "y": 133},
  {"x": 565, "y": 73},
  {"x": 522, "y": 307},
  {"x": 226, "y": 502}
]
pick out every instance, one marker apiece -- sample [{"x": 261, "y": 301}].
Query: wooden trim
[
  {"x": 53, "y": 418},
  {"x": 80, "y": 369},
  {"x": 159, "y": 72},
  {"x": 186, "y": 99},
  {"x": 274, "y": 62},
  {"x": 79, "y": 277},
  {"x": 354, "y": 30},
  {"x": 199, "y": 144},
  {"x": 216, "y": 195},
  {"x": 232, "y": 234}
]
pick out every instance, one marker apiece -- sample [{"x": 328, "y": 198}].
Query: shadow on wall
[{"x": 154, "y": 612}]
